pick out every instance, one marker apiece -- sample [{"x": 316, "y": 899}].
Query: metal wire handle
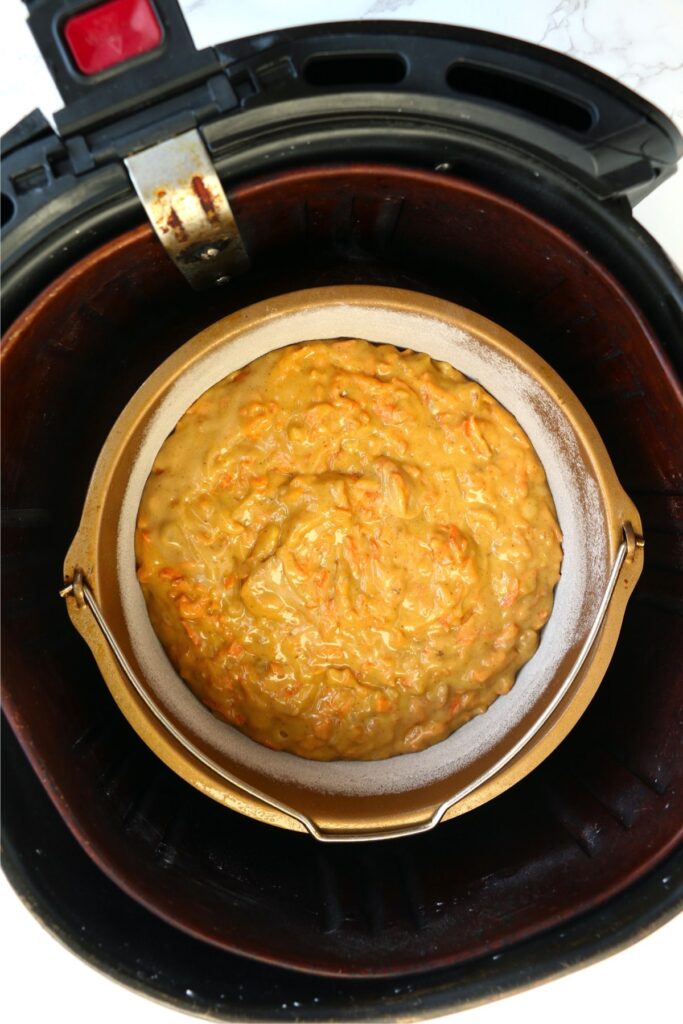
[{"x": 78, "y": 588}]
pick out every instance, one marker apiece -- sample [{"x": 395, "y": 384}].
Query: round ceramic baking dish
[{"x": 603, "y": 557}]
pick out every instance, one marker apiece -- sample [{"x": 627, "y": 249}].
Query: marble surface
[{"x": 639, "y": 42}]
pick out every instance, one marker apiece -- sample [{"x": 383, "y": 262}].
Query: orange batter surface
[{"x": 348, "y": 551}]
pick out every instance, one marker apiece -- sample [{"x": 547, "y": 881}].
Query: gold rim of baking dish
[{"x": 90, "y": 573}]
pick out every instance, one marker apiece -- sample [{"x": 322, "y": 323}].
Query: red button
[{"x": 112, "y": 32}]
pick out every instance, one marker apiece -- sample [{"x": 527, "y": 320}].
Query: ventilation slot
[
  {"x": 355, "y": 69},
  {"x": 521, "y": 95},
  {"x": 8, "y": 208}
]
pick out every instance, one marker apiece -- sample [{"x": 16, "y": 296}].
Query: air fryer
[{"x": 464, "y": 165}]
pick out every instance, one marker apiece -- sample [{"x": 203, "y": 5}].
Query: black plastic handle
[{"x": 91, "y": 99}]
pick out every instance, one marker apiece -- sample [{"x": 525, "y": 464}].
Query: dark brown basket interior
[{"x": 597, "y": 814}]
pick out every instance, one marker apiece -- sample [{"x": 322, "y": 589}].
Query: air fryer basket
[
  {"x": 554, "y": 257},
  {"x": 593, "y": 817}
]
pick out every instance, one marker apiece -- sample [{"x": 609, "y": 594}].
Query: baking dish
[{"x": 603, "y": 557}]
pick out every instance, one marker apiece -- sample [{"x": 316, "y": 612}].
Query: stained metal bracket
[{"x": 182, "y": 195}]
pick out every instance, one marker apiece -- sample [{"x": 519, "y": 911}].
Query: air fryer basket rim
[{"x": 105, "y": 204}]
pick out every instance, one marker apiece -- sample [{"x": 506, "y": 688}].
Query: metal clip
[{"x": 182, "y": 195}]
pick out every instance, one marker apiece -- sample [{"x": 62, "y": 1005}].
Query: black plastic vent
[
  {"x": 8, "y": 208},
  {"x": 523, "y": 95},
  {"x": 355, "y": 69}
]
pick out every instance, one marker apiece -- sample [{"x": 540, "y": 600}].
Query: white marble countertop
[{"x": 639, "y": 42}]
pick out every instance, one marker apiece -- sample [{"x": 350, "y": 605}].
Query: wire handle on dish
[{"x": 78, "y": 588}]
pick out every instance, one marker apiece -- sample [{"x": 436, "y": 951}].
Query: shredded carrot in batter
[{"x": 347, "y": 550}]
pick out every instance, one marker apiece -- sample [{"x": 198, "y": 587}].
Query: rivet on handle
[
  {"x": 75, "y": 588},
  {"x": 634, "y": 541}
]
